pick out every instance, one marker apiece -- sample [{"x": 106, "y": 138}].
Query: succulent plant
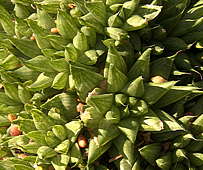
[{"x": 101, "y": 84}]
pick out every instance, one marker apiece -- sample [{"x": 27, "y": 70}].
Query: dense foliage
[{"x": 101, "y": 84}]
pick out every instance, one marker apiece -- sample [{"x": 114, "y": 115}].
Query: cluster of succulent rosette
[{"x": 101, "y": 84}]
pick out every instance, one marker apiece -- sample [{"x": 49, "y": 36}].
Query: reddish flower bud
[{"x": 15, "y": 130}]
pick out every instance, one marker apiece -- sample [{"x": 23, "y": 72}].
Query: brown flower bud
[{"x": 158, "y": 79}]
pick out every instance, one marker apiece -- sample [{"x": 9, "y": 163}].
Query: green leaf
[
  {"x": 138, "y": 107},
  {"x": 95, "y": 151},
  {"x": 116, "y": 79},
  {"x": 11, "y": 91},
  {"x": 66, "y": 25},
  {"x": 41, "y": 120},
  {"x": 175, "y": 94},
  {"x": 113, "y": 115},
  {"x": 80, "y": 42},
  {"x": 126, "y": 148},
  {"x": 151, "y": 122},
  {"x": 155, "y": 91},
  {"x": 60, "y": 162},
  {"x": 116, "y": 33},
  {"x": 73, "y": 129},
  {"x": 65, "y": 103},
  {"x": 98, "y": 10},
  {"x": 129, "y": 127},
  {"x": 39, "y": 63},
  {"x": 63, "y": 147},
  {"x": 75, "y": 154},
  {"x": 150, "y": 152},
  {"x": 60, "y": 132},
  {"x": 27, "y": 47},
  {"x": 37, "y": 136},
  {"x": 113, "y": 57},
  {"x": 52, "y": 140},
  {"x": 39, "y": 34},
  {"x": 106, "y": 132},
  {"x": 101, "y": 102},
  {"x": 6, "y": 21},
  {"x": 141, "y": 66},
  {"x": 23, "y": 167},
  {"x": 164, "y": 162},
  {"x": 149, "y": 11},
  {"x": 60, "y": 81},
  {"x": 85, "y": 80},
  {"x": 135, "y": 88},
  {"x": 170, "y": 124},
  {"x": 45, "y": 152},
  {"x": 24, "y": 94},
  {"x": 43, "y": 81},
  {"x": 135, "y": 22},
  {"x": 196, "y": 159}
]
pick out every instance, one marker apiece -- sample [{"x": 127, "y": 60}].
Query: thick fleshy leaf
[
  {"x": 65, "y": 103},
  {"x": 170, "y": 124},
  {"x": 135, "y": 88},
  {"x": 39, "y": 63},
  {"x": 113, "y": 57},
  {"x": 98, "y": 10},
  {"x": 41, "y": 120},
  {"x": 174, "y": 94},
  {"x": 138, "y": 107},
  {"x": 51, "y": 139},
  {"x": 150, "y": 152},
  {"x": 43, "y": 81},
  {"x": 151, "y": 122},
  {"x": 155, "y": 91},
  {"x": 129, "y": 127},
  {"x": 113, "y": 115},
  {"x": 75, "y": 154},
  {"x": 27, "y": 47},
  {"x": 116, "y": 33},
  {"x": 162, "y": 66},
  {"x": 95, "y": 151},
  {"x": 135, "y": 22},
  {"x": 66, "y": 25},
  {"x": 126, "y": 148},
  {"x": 39, "y": 34},
  {"x": 149, "y": 11},
  {"x": 45, "y": 152},
  {"x": 85, "y": 80},
  {"x": 60, "y": 162},
  {"x": 37, "y": 136},
  {"x": 11, "y": 90},
  {"x": 6, "y": 21},
  {"x": 196, "y": 159},
  {"x": 198, "y": 123},
  {"x": 106, "y": 132},
  {"x": 141, "y": 66},
  {"x": 63, "y": 147},
  {"x": 164, "y": 162},
  {"x": 60, "y": 132},
  {"x": 101, "y": 102},
  {"x": 60, "y": 81},
  {"x": 116, "y": 79},
  {"x": 80, "y": 42},
  {"x": 73, "y": 129},
  {"x": 129, "y": 7}
]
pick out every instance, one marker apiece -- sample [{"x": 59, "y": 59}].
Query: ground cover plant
[{"x": 101, "y": 84}]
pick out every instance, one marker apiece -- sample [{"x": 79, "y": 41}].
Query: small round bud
[
  {"x": 11, "y": 117},
  {"x": 158, "y": 79},
  {"x": 15, "y": 130},
  {"x": 80, "y": 108},
  {"x": 82, "y": 141},
  {"x": 54, "y": 30}
]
